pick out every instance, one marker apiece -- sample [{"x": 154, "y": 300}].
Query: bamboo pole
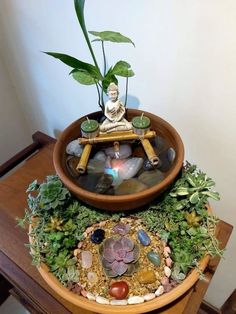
[
  {"x": 81, "y": 167},
  {"x": 116, "y": 136},
  {"x": 150, "y": 152}
]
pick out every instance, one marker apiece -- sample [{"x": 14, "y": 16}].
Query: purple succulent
[
  {"x": 119, "y": 256},
  {"x": 121, "y": 228}
]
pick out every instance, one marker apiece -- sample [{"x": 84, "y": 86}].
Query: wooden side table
[{"x": 15, "y": 262}]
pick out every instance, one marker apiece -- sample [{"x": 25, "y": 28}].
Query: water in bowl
[{"x": 120, "y": 172}]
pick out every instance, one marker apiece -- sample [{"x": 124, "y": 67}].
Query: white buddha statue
[{"x": 114, "y": 112}]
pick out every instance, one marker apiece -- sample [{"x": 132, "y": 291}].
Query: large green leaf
[
  {"x": 79, "y": 8},
  {"x": 83, "y": 77},
  {"x": 114, "y": 37},
  {"x": 77, "y": 64},
  {"x": 122, "y": 68},
  {"x": 109, "y": 78}
]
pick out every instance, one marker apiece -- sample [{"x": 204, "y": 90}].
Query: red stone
[{"x": 119, "y": 290}]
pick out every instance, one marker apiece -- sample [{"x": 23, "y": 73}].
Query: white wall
[
  {"x": 14, "y": 134},
  {"x": 185, "y": 65}
]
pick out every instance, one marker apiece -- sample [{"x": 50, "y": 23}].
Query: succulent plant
[
  {"x": 52, "y": 193},
  {"x": 119, "y": 256},
  {"x": 121, "y": 228}
]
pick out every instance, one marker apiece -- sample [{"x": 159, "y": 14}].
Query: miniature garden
[
  {"x": 122, "y": 258},
  {"x": 119, "y": 257}
]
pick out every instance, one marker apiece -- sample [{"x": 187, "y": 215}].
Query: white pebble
[
  {"x": 167, "y": 251},
  {"x": 159, "y": 291},
  {"x": 135, "y": 300},
  {"x": 119, "y": 302},
  {"x": 89, "y": 229},
  {"x": 74, "y": 148},
  {"x": 84, "y": 293},
  {"x": 168, "y": 262},
  {"x": 149, "y": 296},
  {"x": 90, "y": 296},
  {"x": 102, "y": 300},
  {"x": 167, "y": 271},
  {"x": 102, "y": 223}
]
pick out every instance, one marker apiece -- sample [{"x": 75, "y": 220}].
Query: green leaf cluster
[
  {"x": 90, "y": 74},
  {"x": 61, "y": 221},
  {"x": 59, "y": 224},
  {"x": 181, "y": 218}
]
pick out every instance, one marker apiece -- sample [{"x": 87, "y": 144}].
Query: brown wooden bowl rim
[
  {"x": 122, "y": 198},
  {"x": 147, "y": 306}
]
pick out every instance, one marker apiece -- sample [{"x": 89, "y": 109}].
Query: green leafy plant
[
  {"x": 59, "y": 222},
  {"x": 183, "y": 220},
  {"x": 91, "y": 74}
]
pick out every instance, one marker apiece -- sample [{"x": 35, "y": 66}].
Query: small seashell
[
  {"x": 90, "y": 296},
  {"x": 84, "y": 293},
  {"x": 135, "y": 299},
  {"x": 76, "y": 252},
  {"x": 102, "y": 223},
  {"x": 149, "y": 296},
  {"x": 165, "y": 281},
  {"x": 80, "y": 244},
  {"x": 159, "y": 291},
  {"x": 167, "y": 251},
  {"x": 163, "y": 243},
  {"x": 119, "y": 302},
  {"x": 102, "y": 300},
  {"x": 168, "y": 261},
  {"x": 167, "y": 271},
  {"x": 89, "y": 229}
]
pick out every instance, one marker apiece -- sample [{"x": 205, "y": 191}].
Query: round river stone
[{"x": 119, "y": 290}]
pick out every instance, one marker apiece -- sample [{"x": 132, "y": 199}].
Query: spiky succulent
[{"x": 119, "y": 256}]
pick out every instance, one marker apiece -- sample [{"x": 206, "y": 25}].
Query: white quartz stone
[
  {"x": 159, "y": 291},
  {"x": 119, "y": 302},
  {"x": 149, "y": 296},
  {"x": 135, "y": 299},
  {"x": 167, "y": 271},
  {"x": 90, "y": 296},
  {"x": 102, "y": 300}
]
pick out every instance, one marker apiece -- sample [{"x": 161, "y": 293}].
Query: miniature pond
[{"x": 121, "y": 171}]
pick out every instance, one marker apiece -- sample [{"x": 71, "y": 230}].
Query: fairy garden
[{"x": 122, "y": 258}]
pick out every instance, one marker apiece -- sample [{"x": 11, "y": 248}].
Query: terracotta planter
[
  {"x": 123, "y": 202},
  {"x": 148, "y": 306},
  {"x": 93, "y": 306}
]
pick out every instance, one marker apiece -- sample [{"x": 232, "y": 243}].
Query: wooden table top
[{"x": 15, "y": 261}]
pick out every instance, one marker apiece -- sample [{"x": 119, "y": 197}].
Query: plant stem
[
  {"x": 126, "y": 90},
  {"x": 104, "y": 57},
  {"x": 99, "y": 98}
]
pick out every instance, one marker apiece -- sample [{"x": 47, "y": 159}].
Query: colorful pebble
[
  {"x": 143, "y": 237},
  {"x": 119, "y": 290},
  {"x": 98, "y": 236},
  {"x": 154, "y": 258}
]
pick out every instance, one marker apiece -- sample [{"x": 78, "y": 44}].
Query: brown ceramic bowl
[{"x": 114, "y": 202}]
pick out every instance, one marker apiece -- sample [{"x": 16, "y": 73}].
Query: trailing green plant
[
  {"x": 182, "y": 219},
  {"x": 91, "y": 74},
  {"x": 59, "y": 222}
]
